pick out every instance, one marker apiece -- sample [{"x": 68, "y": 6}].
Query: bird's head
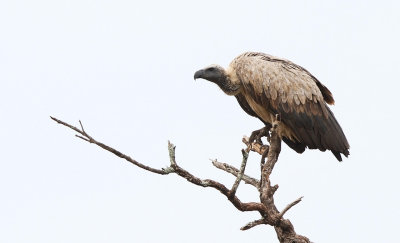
[
  {"x": 213, "y": 73},
  {"x": 219, "y": 76}
]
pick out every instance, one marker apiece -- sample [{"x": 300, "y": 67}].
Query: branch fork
[{"x": 266, "y": 207}]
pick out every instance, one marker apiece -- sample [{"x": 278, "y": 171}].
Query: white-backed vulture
[{"x": 265, "y": 86}]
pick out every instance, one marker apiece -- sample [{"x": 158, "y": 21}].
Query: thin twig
[
  {"x": 240, "y": 174},
  {"x": 280, "y": 215},
  {"x": 67, "y": 125},
  {"x": 171, "y": 151},
  {"x": 83, "y": 130},
  {"x": 89, "y": 139},
  {"x": 253, "y": 223},
  {"x": 83, "y": 138},
  {"x": 234, "y": 171}
]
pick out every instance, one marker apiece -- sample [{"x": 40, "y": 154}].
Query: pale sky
[{"x": 125, "y": 68}]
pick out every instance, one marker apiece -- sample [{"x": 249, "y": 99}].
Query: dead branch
[
  {"x": 240, "y": 174},
  {"x": 266, "y": 207},
  {"x": 83, "y": 135},
  {"x": 232, "y": 170},
  {"x": 289, "y": 207}
]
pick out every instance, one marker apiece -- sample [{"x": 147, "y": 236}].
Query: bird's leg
[
  {"x": 263, "y": 156},
  {"x": 258, "y": 134}
]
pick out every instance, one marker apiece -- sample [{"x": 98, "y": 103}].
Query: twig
[
  {"x": 280, "y": 215},
  {"x": 232, "y": 170},
  {"x": 171, "y": 150},
  {"x": 83, "y": 130},
  {"x": 89, "y": 139},
  {"x": 253, "y": 223},
  {"x": 78, "y": 136},
  {"x": 240, "y": 174}
]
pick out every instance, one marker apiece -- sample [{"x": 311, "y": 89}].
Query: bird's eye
[{"x": 211, "y": 69}]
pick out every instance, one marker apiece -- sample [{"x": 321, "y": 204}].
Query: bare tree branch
[
  {"x": 232, "y": 170},
  {"x": 253, "y": 223},
  {"x": 240, "y": 174},
  {"x": 174, "y": 168},
  {"x": 255, "y": 147},
  {"x": 266, "y": 207},
  {"x": 251, "y": 206},
  {"x": 289, "y": 207},
  {"x": 89, "y": 139}
]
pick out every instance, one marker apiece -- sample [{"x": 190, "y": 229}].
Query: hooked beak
[{"x": 198, "y": 74}]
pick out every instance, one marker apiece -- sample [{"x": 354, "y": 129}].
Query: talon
[
  {"x": 253, "y": 136},
  {"x": 258, "y": 134}
]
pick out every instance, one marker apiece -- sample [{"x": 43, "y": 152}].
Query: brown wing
[
  {"x": 298, "y": 147},
  {"x": 284, "y": 88}
]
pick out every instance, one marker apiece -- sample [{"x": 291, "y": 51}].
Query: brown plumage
[{"x": 265, "y": 85}]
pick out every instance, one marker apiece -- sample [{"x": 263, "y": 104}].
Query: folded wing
[{"x": 282, "y": 87}]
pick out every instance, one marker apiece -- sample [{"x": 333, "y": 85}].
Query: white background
[{"x": 125, "y": 68}]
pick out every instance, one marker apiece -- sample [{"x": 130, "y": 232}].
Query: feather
[
  {"x": 296, "y": 99},
  {"x": 271, "y": 85}
]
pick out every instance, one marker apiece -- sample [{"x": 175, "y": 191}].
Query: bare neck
[{"x": 228, "y": 85}]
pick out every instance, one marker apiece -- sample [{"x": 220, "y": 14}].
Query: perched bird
[{"x": 266, "y": 86}]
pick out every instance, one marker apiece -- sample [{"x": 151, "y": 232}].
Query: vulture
[{"x": 266, "y": 86}]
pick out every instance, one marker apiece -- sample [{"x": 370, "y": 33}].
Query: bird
[{"x": 266, "y": 86}]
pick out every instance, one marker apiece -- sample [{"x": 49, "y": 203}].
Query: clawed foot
[{"x": 258, "y": 134}]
